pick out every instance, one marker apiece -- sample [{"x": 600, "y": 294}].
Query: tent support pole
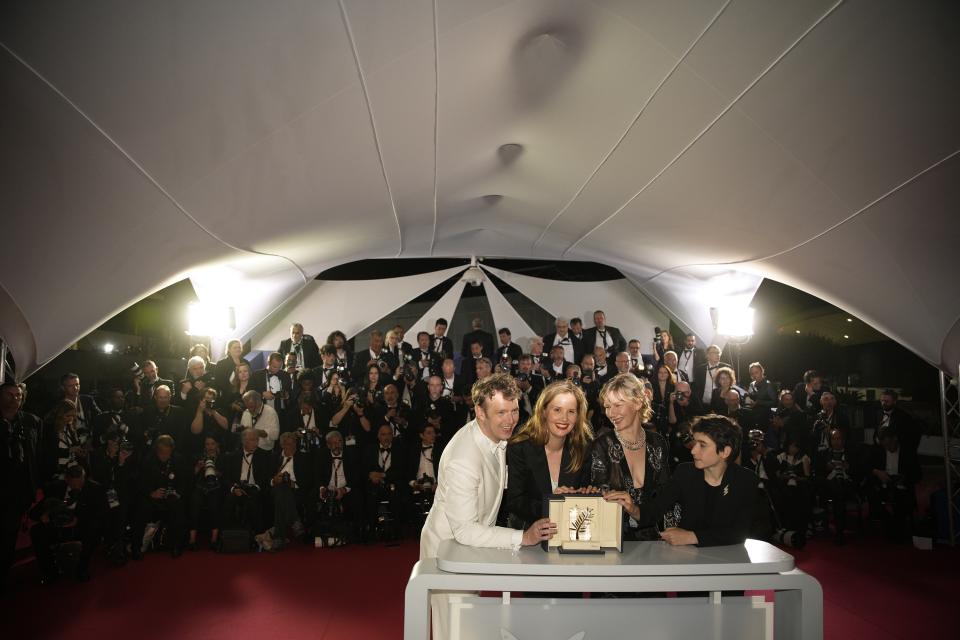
[{"x": 950, "y": 410}]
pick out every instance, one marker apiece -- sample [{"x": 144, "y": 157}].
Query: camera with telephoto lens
[
  {"x": 522, "y": 377},
  {"x": 576, "y": 380},
  {"x": 657, "y": 338},
  {"x": 788, "y": 538}
]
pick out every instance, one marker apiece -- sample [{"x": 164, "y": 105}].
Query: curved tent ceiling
[{"x": 697, "y": 146}]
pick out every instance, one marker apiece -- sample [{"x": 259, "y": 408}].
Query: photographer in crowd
[
  {"x": 892, "y": 474},
  {"x": 19, "y": 437},
  {"x": 292, "y": 491},
  {"x": 206, "y": 500},
  {"x": 162, "y": 487},
  {"x": 836, "y": 481},
  {"x": 246, "y": 477},
  {"x": 111, "y": 466},
  {"x": 71, "y": 512}
]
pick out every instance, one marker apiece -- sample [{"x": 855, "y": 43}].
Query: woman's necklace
[{"x": 633, "y": 445}]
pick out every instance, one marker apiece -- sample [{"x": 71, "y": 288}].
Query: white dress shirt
[
  {"x": 566, "y": 342},
  {"x": 465, "y": 506},
  {"x": 286, "y": 466},
  {"x": 266, "y": 420},
  {"x": 338, "y": 479},
  {"x": 426, "y": 466},
  {"x": 685, "y": 362}
]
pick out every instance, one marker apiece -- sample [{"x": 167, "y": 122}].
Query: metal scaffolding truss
[{"x": 950, "y": 425}]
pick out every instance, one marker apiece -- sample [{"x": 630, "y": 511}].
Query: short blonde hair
[
  {"x": 485, "y": 389},
  {"x": 631, "y": 389}
]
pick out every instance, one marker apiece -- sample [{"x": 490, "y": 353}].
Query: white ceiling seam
[
  {"x": 129, "y": 158},
  {"x": 373, "y": 122},
  {"x": 436, "y": 121},
  {"x": 832, "y": 227},
  {"x": 626, "y": 131},
  {"x": 709, "y": 126}
]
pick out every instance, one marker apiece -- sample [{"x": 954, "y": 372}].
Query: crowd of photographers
[{"x": 328, "y": 446}]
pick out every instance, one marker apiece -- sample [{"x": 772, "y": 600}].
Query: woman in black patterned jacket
[{"x": 630, "y": 464}]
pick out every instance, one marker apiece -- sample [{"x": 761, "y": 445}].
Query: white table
[{"x": 641, "y": 567}]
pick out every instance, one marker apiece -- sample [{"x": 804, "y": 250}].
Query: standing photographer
[
  {"x": 208, "y": 422},
  {"x": 19, "y": 432},
  {"x": 110, "y": 467}
]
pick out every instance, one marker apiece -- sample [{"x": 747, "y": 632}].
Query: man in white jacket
[{"x": 473, "y": 475}]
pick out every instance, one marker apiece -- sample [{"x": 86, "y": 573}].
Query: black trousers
[
  {"x": 45, "y": 536},
  {"x": 838, "y": 491},
  {"x": 170, "y": 512},
  {"x": 11, "y": 513},
  {"x": 207, "y": 504},
  {"x": 244, "y": 510}
]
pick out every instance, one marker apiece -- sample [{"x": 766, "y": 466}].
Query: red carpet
[{"x": 871, "y": 590}]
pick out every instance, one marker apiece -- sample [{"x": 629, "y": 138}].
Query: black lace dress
[{"x": 609, "y": 471}]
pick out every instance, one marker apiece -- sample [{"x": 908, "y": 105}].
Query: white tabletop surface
[{"x": 637, "y": 559}]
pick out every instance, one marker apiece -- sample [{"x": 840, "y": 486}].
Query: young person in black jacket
[{"x": 716, "y": 495}]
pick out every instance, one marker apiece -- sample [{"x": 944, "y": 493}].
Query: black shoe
[{"x": 136, "y": 553}]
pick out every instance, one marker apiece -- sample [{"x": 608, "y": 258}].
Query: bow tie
[
  {"x": 564, "y": 341},
  {"x": 688, "y": 350},
  {"x": 382, "y": 450},
  {"x": 716, "y": 366},
  {"x": 338, "y": 457},
  {"x": 426, "y": 448}
]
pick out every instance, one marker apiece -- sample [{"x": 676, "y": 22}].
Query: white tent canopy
[{"x": 697, "y": 146}]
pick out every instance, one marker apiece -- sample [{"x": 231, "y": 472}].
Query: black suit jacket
[
  {"x": 528, "y": 480},
  {"x": 258, "y": 382},
  {"x": 311, "y": 352},
  {"x": 446, "y": 347},
  {"x": 901, "y": 423},
  {"x": 263, "y": 468},
  {"x": 809, "y": 405},
  {"x": 514, "y": 351},
  {"x": 371, "y": 462},
  {"x": 699, "y": 358},
  {"x": 304, "y": 470},
  {"x": 484, "y": 338},
  {"x": 728, "y": 522},
  {"x": 351, "y": 467},
  {"x": 156, "y": 475},
  {"x": 222, "y": 371},
  {"x": 590, "y": 340},
  {"x": 412, "y": 460},
  {"x": 908, "y": 465}
]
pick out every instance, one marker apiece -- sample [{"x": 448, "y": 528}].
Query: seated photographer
[
  {"x": 628, "y": 463},
  {"x": 337, "y": 472},
  {"x": 164, "y": 481},
  {"x": 111, "y": 467},
  {"x": 732, "y": 409},
  {"x": 261, "y": 418},
  {"x": 160, "y": 418},
  {"x": 307, "y": 428},
  {"x": 664, "y": 384},
  {"x": 716, "y": 495},
  {"x": 834, "y": 475},
  {"x": 207, "y": 496},
  {"x": 454, "y": 386},
  {"x": 274, "y": 385},
  {"x": 208, "y": 422},
  {"x": 892, "y": 474},
  {"x": 549, "y": 454},
  {"x": 246, "y": 476},
  {"x": 72, "y": 511},
  {"x": 761, "y": 396},
  {"x": 423, "y": 461},
  {"x": 383, "y": 466},
  {"x": 794, "y": 489},
  {"x": 60, "y": 445},
  {"x": 293, "y": 489},
  {"x": 830, "y": 417}
]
